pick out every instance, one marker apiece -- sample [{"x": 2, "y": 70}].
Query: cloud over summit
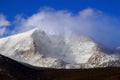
[
  {"x": 53, "y": 21},
  {"x": 90, "y": 22}
]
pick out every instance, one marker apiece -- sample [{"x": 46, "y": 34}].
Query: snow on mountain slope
[
  {"x": 22, "y": 48},
  {"x": 36, "y": 48}
]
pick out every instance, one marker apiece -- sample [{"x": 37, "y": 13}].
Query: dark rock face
[{"x": 12, "y": 70}]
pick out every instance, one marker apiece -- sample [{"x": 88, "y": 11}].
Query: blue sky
[
  {"x": 98, "y": 19},
  {"x": 28, "y": 7}
]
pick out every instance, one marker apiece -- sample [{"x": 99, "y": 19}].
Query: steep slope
[{"x": 35, "y": 47}]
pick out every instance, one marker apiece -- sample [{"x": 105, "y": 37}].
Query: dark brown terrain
[{"x": 12, "y": 70}]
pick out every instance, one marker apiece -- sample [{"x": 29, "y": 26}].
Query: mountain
[
  {"x": 13, "y": 70},
  {"x": 37, "y": 48}
]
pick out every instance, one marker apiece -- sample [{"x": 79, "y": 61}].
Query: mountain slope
[
  {"x": 12, "y": 70},
  {"x": 37, "y": 48}
]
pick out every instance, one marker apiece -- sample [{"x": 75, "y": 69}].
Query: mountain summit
[{"x": 36, "y": 48}]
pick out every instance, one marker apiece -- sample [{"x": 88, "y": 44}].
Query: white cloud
[
  {"x": 56, "y": 21},
  {"x": 2, "y": 31},
  {"x": 87, "y": 12},
  {"x": 3, "y": 24},
  {"x": 3, "y": 21},
  {"x": 90, "y": 22}
]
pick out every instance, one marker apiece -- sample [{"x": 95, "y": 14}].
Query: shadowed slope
[{"x": 12, "y": 70}]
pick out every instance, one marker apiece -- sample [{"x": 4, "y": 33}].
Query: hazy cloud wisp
[
  {"x": 3, "y": 24},
  {"x": 90, "y": 22}
]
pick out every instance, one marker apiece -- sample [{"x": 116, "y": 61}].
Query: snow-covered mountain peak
[{"x": 37, "y": 48}]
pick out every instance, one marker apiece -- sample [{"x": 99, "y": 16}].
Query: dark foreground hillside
[{"x": 12, "y": 70}]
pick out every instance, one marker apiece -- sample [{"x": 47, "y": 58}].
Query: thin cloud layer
[
  {"x": 3, "y": 24},
  {"x": 90, "y": 22}
]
